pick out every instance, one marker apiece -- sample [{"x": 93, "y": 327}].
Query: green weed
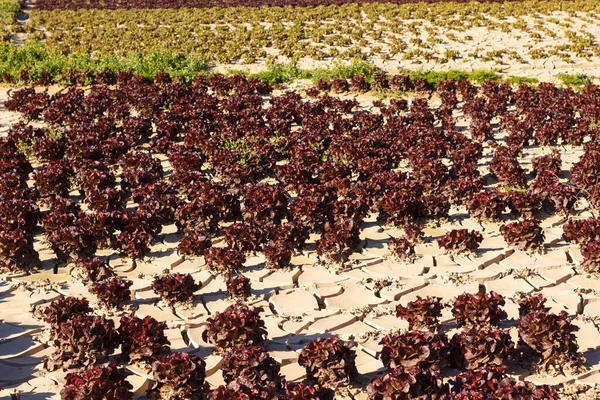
[{"x": 574, "y": 79}]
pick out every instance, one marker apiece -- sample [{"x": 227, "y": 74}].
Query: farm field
[
  {"x": 533, "y": 39},
  {"x": 516, "y": 38},
  {"x": 299, "y": 200}
]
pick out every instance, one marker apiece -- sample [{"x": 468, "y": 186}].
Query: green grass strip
[
  {"x": 35, "y": 58},
  {"x": 576, "y": 80}
]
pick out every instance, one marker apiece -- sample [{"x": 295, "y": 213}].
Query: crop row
[
  {"x": 416, "y": 33},
  {"x": 35, "y": 64},
  {"x": 150, "y": 4},
  {"x": 414, "y": 359},
  {"x": 8, "y": 13}
]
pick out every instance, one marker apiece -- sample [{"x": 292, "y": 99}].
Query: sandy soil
[{"x": 511, "y": 52}]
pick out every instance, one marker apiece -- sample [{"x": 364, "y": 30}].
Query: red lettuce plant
[
  {"x": 487, "y": 205},
  {"x": 548, "y": 162},
  {"x": 134, "y": 244},
  {"x": 323, "y": 85},
  {"x": 14, "y": 186},
  {"x": 103, "y": 225},
  {"x": 402, "y": 248},
  {"x": 52, "y": 180},
  {"x": 414, "y": 232},
  {"x": 401, "y": 83},
  {"x": 460, "y": 241},
  {"x": 542, "y": 183},
  {"x": 330, "y": 362},
  {"x": 19, "y": 214},
  {"x": 431, "y": 173},
  {"x": 294, "y": 233},
  {"x": 27, "y": 102},
  {"x": 238, "y": 325},
  {"x": 359, "y": 84},
  {"x": 107, "y": 199},
  {"x": 311, "y": 209},
  {"x": 435, "y": 207},
  {"x": 82, "y": 341},
  {"x": 225, "y": 205},
  {"x": 461, "y": 189},
  {"x": 94, "y": 269},
  {"x": 93, "y": 175},
  {"x": 407, "y": 383},
  {"x": 533, "y": 303},
  {"x": 524, "y": 205},
  {"x": 140, "y": 168},
  {"x": 484, "y": 380},
  {"x": 175, "y": 288},
  {"x": 469, "y": 395},
  {"x": 253, "y": 364},
  {"x": 591, "y": 256},
  {"x": 468, "y": 153},
  {"x": 194, "y": 244},
  {"x": 421, "y": 85},
  {"x": 186, "y": 159},
  {"x": 264, "y": 203},
  {"x": 553, "y": 338},
  {"x": 278, "y": 254},
  {"x": 492, "y": 383},
  {"x": 397, "y": 207},
  {"x": 339, "y": 240},
  {"x": 584, "y": 173},
  {"x": 528, "y": 390},
  {"x": 478, "y": 310},
  {"x": 14, "y": 181},
  {"x": 63, "y": 309},
  {"x": 559, "y": 198},
  {"x": 339, "y": 85},
  {"x": 414, "y": 349},
  {"x": 72, "y": 243},
  {"x": 478, "y": 348},
  {"x": 16, "y": 250},
  {"x": 582, "y": 230},
  {"x": 143, "y": 339},
  {"x": 102, "y": 382},
  {"x": 238, "y": 286},
  {"x": 507, "y": 169},
  {"x": 113, "y": 292},
  {"x": 525, "y": 235},
  {"x": 421, "y": 314},
  {"x": 349, "y": 209},
  {"x": 302, "y": 391},
  {"x": 142, "y": 220},
  {"x": 242, "y": 389},
  {"x": 178, "y": 376},
  {"x": 197, "y": 216},
  {"x": 481, "y": 130},
  {"x": 224, "y": 259},
  {"x": 63, "y": 210},
  {"x": 244, "y": 237}
]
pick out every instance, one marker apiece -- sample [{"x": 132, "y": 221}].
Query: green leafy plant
[{"x": 574, "y": 79}]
